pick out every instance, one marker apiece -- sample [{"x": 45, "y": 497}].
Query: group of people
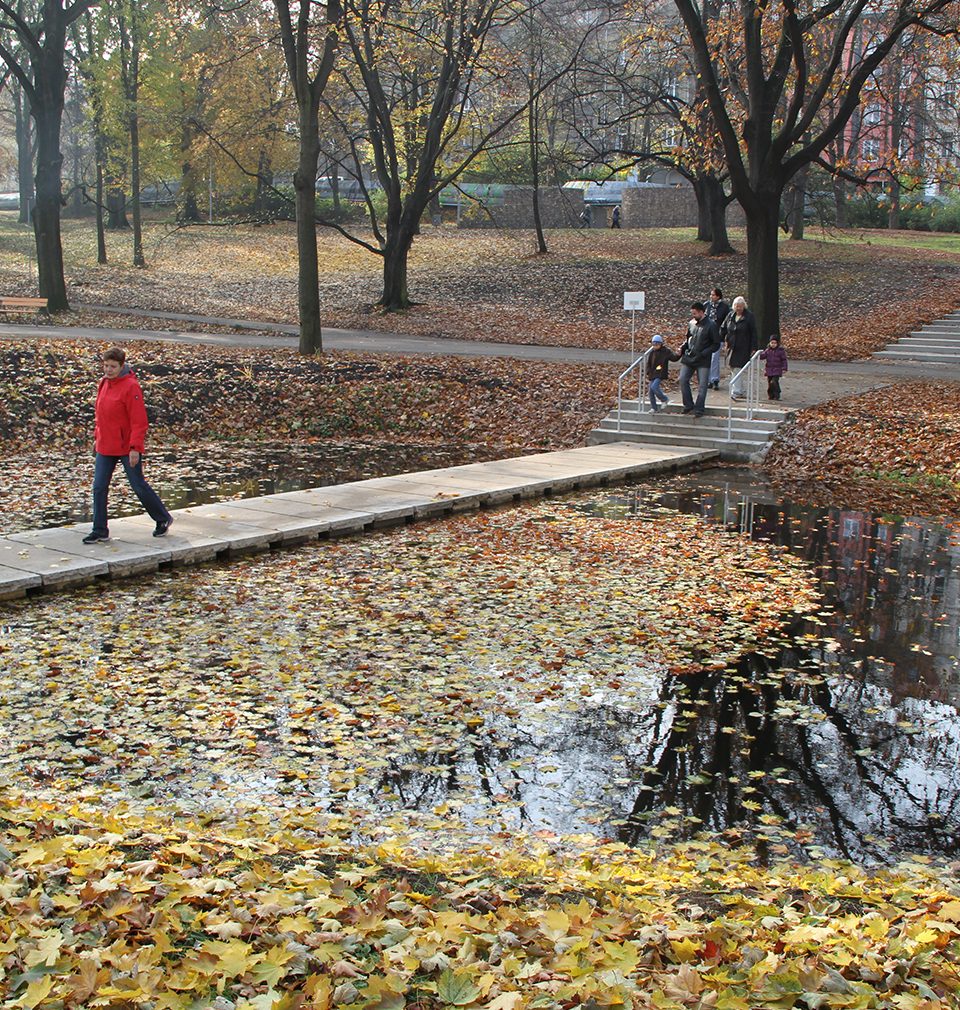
[{"x": 714, "y": 326}]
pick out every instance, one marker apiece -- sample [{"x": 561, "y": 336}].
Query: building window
[
  {"x": 872, "y": 115},
  {"x": 870, "y": 149}
]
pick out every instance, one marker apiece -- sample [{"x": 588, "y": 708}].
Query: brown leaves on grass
[
  {"x": 890, "y": 449},
  {"x": 48, "y": 388},
  {"x": 839, "y": 301}
]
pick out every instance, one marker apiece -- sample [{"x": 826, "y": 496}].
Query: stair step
[
  {"x": 672, "y": 421},
  {"x": 950, "y": 359},
  {"x": 693, "y": 430},
  {"x": 732, "y": 449},
  {"x": 765, "y": 413},
  {"x": 691, "y": 440}
]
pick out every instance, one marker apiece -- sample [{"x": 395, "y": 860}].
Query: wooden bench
[{"x": 17, "y": 304}]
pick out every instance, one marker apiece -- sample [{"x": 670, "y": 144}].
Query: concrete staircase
[
  {"x": 671, "y": 427},
  {"x": 937, "y": 342}
]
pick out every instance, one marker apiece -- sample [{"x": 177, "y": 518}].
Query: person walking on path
[
  {"x": 657, "y": 366},
  {"x": 615, "y": 221},
  {"x": 740, "y": 334},
  {"x": 695, "y": 356},
  {"x": 121, "y": 427},
  {"x": 776, "y": 366},
  {"x": 717, "y": 310}
]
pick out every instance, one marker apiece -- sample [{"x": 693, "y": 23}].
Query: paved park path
[{"x": 807, "y": 383}]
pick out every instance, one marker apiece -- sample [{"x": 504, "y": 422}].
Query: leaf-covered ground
[
  {"x": 282, "y": 913},
  {"x": 229, "y": 416},
  {"x": 840, "y": 300},
  {"x": 895, "y": 449}
]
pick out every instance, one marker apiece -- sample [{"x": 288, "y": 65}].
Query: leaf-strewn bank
[
  {"x": 287, "y": 912},
  {"x": 895, "y": 449},
  {"x": 219, "y": 414}
]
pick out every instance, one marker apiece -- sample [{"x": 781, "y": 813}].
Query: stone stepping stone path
[{"x": 44, "y": 560}]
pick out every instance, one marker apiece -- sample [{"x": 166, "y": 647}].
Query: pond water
[{"x": 371, "y": 680}]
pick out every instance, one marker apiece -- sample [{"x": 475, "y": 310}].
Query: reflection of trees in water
[
  {"x": 726, "y": 748},
  {"x": 895, "y": 583},
  {"x": 824, "y": 754},
  {"x": 808, "y": 735}
]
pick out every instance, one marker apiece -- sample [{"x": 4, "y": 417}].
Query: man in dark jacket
[
  {"x": 716, "y": 309},
  {"x": 695, "y": 354}
]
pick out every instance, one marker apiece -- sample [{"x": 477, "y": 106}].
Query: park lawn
[
  {"x": 947, "y": 242},
  {"x": 840, "y": 300}
]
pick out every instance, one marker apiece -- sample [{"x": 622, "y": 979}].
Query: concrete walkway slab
[{"x": 55, "y": 558}]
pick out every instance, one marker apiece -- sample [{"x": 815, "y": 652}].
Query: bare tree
[
  {"x": 309, "y": 76},
  {"x": 41, "y": 69},
  {"x": 782, "y": 80}
]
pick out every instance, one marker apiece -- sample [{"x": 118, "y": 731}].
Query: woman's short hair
[
  {"x": 739, "y": 300},
  {"x": 115, "y": 354}
]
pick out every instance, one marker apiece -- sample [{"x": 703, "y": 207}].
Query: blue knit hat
[{"x": 656, "y": 339}]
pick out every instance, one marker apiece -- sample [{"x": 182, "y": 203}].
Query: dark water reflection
[{"x": 842, "y": 736}]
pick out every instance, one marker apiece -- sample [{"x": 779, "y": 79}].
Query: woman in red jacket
[{"x": 120, "y": 431}]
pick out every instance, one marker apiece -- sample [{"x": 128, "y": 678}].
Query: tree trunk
[
  {"x": 763, "y": 262},
  {"x": 893, "y": 215},
  {"x": 187, "y": 210},
  {"x": 117, "y": 209},
  {"x": 712, "y": 214},
  {"x": 717, "y": 205},
  {"x": 334, "y": 177},
  {"x": 704, "y": 218},
  {"x": 840, "y": 202},
  {"x": 264, "y": 179},
  {"x": 46, "y": 213},
  {"x": 138, "y": 260},
  {"x": 395, "y": 252},
  {"x": 308, "y": 272},
  {"x": 532, "y": 125},
  {"x": 798, "y": 203},
  {"x": 101, "y": 237},
  {"x": 21, "y": 108}
]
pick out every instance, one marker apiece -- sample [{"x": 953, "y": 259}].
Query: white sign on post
[{"x": 633, "y": 302}]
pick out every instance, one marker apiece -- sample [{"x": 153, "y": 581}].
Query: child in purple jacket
[{"x": 776, "y": 365}]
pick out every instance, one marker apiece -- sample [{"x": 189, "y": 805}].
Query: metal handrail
[
  {"x": 752, "y": 399},
  {"x": 640, "y": 363}
]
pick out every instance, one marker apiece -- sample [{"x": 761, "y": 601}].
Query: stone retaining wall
[
  {"x": 673, "y": 207},
  {"x": 558, "y": 209}
]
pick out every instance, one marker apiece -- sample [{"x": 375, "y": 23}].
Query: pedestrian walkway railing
[
  {"x": 747, "y": 380},
  {"x": 640, "y": 367}
]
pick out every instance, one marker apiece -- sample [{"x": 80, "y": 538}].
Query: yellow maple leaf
[
  {"x": 36, "y": 993},
  {"x": 555, "y": 923}
]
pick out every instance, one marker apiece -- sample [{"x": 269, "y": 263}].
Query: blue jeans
[
  {"x": 715, "y": 366},
  {"x": 102, "y": 473},
  {"x": 703, "y": 377},
  {"x": 656, "y": 393}
]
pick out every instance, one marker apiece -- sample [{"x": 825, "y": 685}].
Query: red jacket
[{"x": 121, "y": 415}]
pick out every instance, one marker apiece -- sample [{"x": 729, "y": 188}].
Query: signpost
[{"x": 633, "y": 302}]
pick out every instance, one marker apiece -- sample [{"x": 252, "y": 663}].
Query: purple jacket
[{"x": 776, "y": 359}]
